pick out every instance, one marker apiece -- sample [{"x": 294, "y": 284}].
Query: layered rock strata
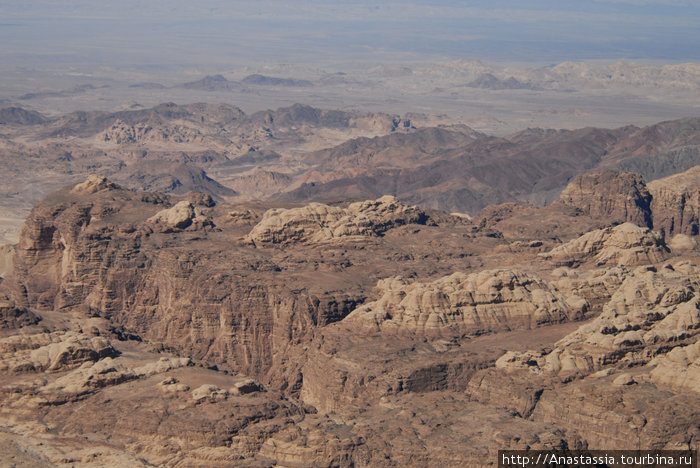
[
  {"x": 131, "y": 339},
  {"x": 611, "y": 195},
  {"x": 473, "y": 304},
  {"x": 676, "y": 203},
  {"x": 625, "y": 244},
  {"x": 315, "y": 223}
]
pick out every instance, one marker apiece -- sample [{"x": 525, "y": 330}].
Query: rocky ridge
[
  {"x": 487, "y": 301},
  {"x": 625, "y": 244},
  {"x": 315, "y": 223}
]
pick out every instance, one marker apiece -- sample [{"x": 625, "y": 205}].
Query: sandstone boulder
[
  {"x": 209, "y": 392},
  {"x": 679, "y": 369},
  {"x": 172, "y": 385},
  {"x": 94, "y": 183},
  {"x": 245, "y": 386},
  {"x": 181, "y": 216},
  {"x": 682, "y": 242}
]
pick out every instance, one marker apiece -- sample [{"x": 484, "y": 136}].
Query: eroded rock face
[
  {"x": 142, "y": 401},
  {"x": 678, "y": 369},
  {"x": 121, "y": 256},
  {"x": 52, "y": 351},
  {"x": 317, "y": 223},
  {"x": 614, "y": 196},
  {"x": 652, "y": 311},
  {"x": 626, "y": 244},
  {"x": 468, "y": 304},
  {"x": 226, "y": 354},
  {"x": 676, "y": 203},
  {"x": 13, "y": 317}
]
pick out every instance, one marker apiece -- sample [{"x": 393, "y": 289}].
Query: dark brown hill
[
  {"x": 211, "y": 83},
  {"x": 89, "y": 123},
  {"x": 452, "y": 168},
  {"x": 465, "y": 171},
  {"x": 20, "y": 116},
  {"x": 262, "y": 80},
  {"x": 175, "y": 178}
]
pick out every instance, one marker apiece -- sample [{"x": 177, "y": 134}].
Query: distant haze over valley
[
  {"x": 497, "y": 66},
  {"x": 136, "y": 33}
]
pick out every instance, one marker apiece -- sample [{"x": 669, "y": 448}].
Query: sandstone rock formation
[
  {"x": 94, "y": 183},
  {"x": 625, "y": 244},
  {"x": 682, "y": 242},
  {"x": 181, "y": 216},
  {"x": 473, "y": 304},
  {"x": 678, "y": 369},
  {"x": 317, "y": 223},
  {"x": 652, "y": 311},
  {"x": 12, "y": 316},
  {"x": 676, "y": 203},
  {"x": 131, "y": 338},
  {"x": 52, "y": 352},
  {"x": 611, "y": 195}
]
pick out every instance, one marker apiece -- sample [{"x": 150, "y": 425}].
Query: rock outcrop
[
  {"x": 52, "y": 351},
  {"x": 94, "y": 183},
  {"x": 110, "y": 407},
  {"x": 317, "y": 222},
  {"x": 678, "y": 369},
  {"x": 12, "y": 316},
  {"x": 610, "y": 195},
  {"x": 652, "y": 312},
  {"x": 625, "y": 244},
  {"x": 676, "y": 203},
  {"x": 473, "y": 304},
  {"x": 181, "y": 216}
]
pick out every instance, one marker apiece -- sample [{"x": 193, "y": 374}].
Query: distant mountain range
[{"x": 302, "y": 153}]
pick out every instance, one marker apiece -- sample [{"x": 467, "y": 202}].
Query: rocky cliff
[
  {"x": 611, "y": 195},
  {"x": 676, "y": 203}
]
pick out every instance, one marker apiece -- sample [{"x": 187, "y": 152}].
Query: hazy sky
[{"x": 207, "y": 32}]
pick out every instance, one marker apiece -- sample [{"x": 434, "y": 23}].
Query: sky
[{"x": 182, "y": 32}]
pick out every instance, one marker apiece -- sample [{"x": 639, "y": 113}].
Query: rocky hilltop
[{"x": 145, "y": 328}]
